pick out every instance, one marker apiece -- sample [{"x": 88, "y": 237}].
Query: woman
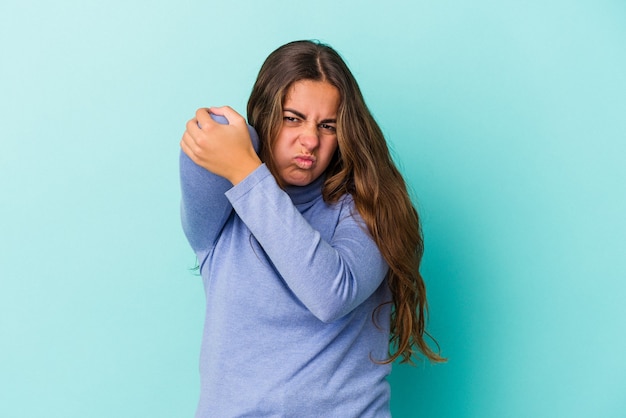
[{"x": 308, "y": 245}]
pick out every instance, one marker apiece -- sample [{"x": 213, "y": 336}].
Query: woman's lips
[{"x": 304, "y": 161}]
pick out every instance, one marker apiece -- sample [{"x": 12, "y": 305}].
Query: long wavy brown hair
[{"x": 362, "y": 167}]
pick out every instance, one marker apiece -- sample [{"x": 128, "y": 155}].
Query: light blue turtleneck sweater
[{"x": 291, "y": 284}]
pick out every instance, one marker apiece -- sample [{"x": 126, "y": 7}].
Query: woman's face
[{"x": 307, "y": 139}]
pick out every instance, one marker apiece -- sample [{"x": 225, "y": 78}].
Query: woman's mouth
[{"x": 304, "y": 161}]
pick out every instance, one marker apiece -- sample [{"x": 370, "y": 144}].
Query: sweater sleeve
[
  {"x": 204, "y": 207},
  {"x": 329, "y": 278}
]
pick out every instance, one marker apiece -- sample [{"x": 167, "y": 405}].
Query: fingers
[
  {"x": 192, "y": 125},
  {"x": 196, "y": 136},
  {"x": 218, "y": 139},
  {"x": 185, "y": 148},
  {"x": 229, "y": 113},
  {"x": 188, "y": 144},
  {"x": 203, "y": 118},
  {"x": 193, "y": 136}
]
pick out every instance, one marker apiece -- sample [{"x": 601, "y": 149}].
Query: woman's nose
[{"x": 309, "y": 136}]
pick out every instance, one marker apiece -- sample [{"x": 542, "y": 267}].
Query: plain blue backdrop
[{"x": 507, "y": 119}]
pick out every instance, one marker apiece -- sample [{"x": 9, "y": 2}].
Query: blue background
[{"x": 507, "y": 118}]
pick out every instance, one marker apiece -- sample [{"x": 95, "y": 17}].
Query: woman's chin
[{"x": 298, "y": 179}]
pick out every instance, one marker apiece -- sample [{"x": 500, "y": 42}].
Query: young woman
[{"x": 308, "y": 246}]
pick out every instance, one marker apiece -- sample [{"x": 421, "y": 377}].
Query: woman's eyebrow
[
  {"x": 295, "y": 112},
  {"x": 302, "y": 116}
]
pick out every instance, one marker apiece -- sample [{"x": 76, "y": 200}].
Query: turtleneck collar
[{"x": 301, "y": 195}]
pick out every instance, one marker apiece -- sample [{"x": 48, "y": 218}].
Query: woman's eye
[
  {"x": 290, "y": 119},
  {"x": 328, "y": 128}
]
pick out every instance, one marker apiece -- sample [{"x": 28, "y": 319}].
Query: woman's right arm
[{"x": 204, "y": 207}]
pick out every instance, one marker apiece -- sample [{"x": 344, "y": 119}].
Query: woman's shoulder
[
  {"x": 343, "y": 202},
  {"x": 347, "y": 208}
]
